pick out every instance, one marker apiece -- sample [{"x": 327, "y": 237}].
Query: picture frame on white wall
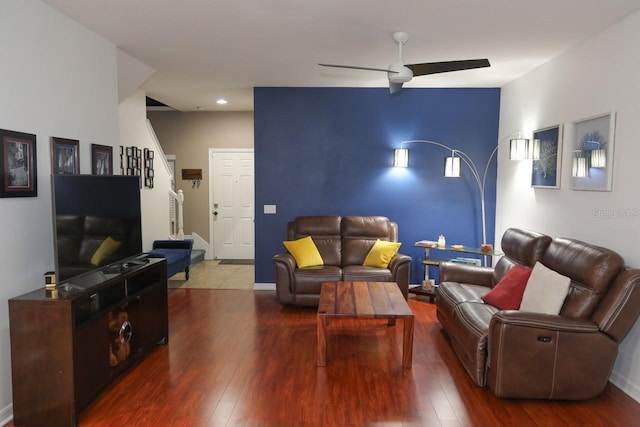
[
  {"x": 592, "y": 153},
  {"x": 547, "y": 157}
]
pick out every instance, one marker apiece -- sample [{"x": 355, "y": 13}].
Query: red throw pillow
[{"x": 507, "y": 294}]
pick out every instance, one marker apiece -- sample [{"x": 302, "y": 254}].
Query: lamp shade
[
  {"x": 452, "y": 167},
  {"x": 519, "y": 149},
  {"x": 598, "y": 158},
  {"x": 401, "y": 158}
]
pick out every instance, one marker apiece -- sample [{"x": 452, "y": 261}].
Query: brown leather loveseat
[
  {"x": 524, "y": 354},
  {"x": 343, "y": 243}
]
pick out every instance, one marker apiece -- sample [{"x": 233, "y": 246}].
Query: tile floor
[{"x": 212, "y": 275}]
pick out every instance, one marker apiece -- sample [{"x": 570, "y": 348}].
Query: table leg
[
  {"x": 407, "y": 342},
  {"x": 321, "y": 333}
]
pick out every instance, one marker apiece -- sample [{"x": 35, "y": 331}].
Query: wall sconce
[
  {"x": 401, "y": 158},
  {"x": 452, "y": 166},
  {"x": 193, "y": 175}
]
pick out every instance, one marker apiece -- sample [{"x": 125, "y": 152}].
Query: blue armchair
[{"x": 177, "y": 253}]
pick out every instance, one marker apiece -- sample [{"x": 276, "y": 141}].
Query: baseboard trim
[
  {"x": 6, "y": 415},
  {"x": 626, "y": 386},
  {"x": 264, "y": 286}
]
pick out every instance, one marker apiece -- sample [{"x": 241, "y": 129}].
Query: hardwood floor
[{"x": 237, "y": 358}]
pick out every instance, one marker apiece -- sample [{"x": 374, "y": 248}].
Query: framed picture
[
  {"x": 18, "y": 167},
  {"x": 101, "y": 159},
  {"x": 65, "y": 158},
  {"x": 547, "y": 157},
  {"x": 592, "y": 153}
]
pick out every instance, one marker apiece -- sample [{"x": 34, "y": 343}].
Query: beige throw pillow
[{"x": 545, "y": 291}]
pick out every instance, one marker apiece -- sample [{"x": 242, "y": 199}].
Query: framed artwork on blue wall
[
  {"x": 547, "y": 157},
  {"x": 592, "y": 153}
]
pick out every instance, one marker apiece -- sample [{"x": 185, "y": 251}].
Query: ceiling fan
[{"x": 399, "y": 72}]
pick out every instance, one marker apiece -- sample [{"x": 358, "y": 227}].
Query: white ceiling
[{"x": 206, "y": 49}]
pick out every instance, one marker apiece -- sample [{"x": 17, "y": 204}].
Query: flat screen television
[{"x": 97, "y": 225}]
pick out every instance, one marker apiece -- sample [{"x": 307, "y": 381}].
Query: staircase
[{"x": 197, "y": 256}]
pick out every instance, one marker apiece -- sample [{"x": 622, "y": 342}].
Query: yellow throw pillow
[
  {"x": 106, "y": 248},
  {"x": 381, "y": 253},
  {"x": 305, "y": 252}
]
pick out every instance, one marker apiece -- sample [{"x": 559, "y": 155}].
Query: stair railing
[{"x": 177, "y": 226}]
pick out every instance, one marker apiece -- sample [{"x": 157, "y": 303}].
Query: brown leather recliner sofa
[
  {"x": 343, "y": 243},
  {"x": 520, "y": 354}
]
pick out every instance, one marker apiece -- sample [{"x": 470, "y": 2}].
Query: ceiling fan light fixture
[{"x": 398, "y": 73}]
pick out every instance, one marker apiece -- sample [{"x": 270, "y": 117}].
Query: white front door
[{"x": 231, "y": 203}]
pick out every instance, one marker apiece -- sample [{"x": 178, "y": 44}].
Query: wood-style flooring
[{"x": 237, "y": 358}]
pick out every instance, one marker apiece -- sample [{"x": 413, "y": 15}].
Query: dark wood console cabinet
[{"x": 68, "y": 344}]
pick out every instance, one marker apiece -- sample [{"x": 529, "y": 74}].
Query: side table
[{"x": 418, "y": 291}]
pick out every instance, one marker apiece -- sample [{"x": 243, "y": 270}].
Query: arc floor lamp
[{"x": 520, "y": 149}]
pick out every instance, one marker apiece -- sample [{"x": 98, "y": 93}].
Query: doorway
[{"x": 231, "y": 203}]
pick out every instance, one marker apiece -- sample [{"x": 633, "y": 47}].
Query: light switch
[{"x": 270, "y": 209}]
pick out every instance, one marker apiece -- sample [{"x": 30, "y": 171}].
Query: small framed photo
[
  {"x": 65, "y": 157},
  {"x": 592, "y": 153},
  {"x": 547, "y": 157},
  {"x": 101, "y": 159},
  {"x": 18, "y": 173},
  {"x": 150, "y": 154},
  {"x": 129, "y": 151}
]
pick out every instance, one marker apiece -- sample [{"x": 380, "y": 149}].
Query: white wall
[
  {"x": 155, "y": 201},
  {"x": 56, "y": 79},
  {"x": 598, "y": 76}
]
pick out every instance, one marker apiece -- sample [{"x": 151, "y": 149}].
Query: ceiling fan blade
[
  {"x": 447, "y": 66},
  {"x": 394, "y": 87},
  {"x": 352, "y": 67}
]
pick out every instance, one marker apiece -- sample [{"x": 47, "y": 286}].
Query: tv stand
[{"x": 69, "y": 343}]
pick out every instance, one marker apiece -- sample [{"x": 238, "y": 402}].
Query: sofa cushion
[
  {"x": 592, "y": 270},
  {"x": 381, "y": 253},
  {"x": 507, "y": 294},
  {"x": 304, "y": 251},
  {"x": 520, "y": 247},
  {"x": 362, "y": 273},
  {"x": 359, "y": 234},
  {"x": 309, "y": 280},
  {"x": 545, "y": 291},
  {"x": 325, "y": 230}
]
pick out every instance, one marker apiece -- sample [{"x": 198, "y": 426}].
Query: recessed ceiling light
[{"x": 221, "y": 101}]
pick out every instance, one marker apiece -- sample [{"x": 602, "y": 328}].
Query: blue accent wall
[{"x": 329, "y": 151}]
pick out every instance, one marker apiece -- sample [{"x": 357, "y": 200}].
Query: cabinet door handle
[{"x": 126, "y": 331}]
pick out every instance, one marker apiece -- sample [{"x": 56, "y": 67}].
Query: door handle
[{"x": 215, "y": 213}]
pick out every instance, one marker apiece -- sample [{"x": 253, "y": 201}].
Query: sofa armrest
[
  {"x": 173, "y": 244},
  {"x": 463, "y": 273},
  {"x": 285, "y": 265},
  {"x": 397, "y": 261},
  {"x": 527, "y": 319},
  {"x": 286, "y": 260}
]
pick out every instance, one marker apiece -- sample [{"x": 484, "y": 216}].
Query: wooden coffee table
[{"x": 364, "y": 300}]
